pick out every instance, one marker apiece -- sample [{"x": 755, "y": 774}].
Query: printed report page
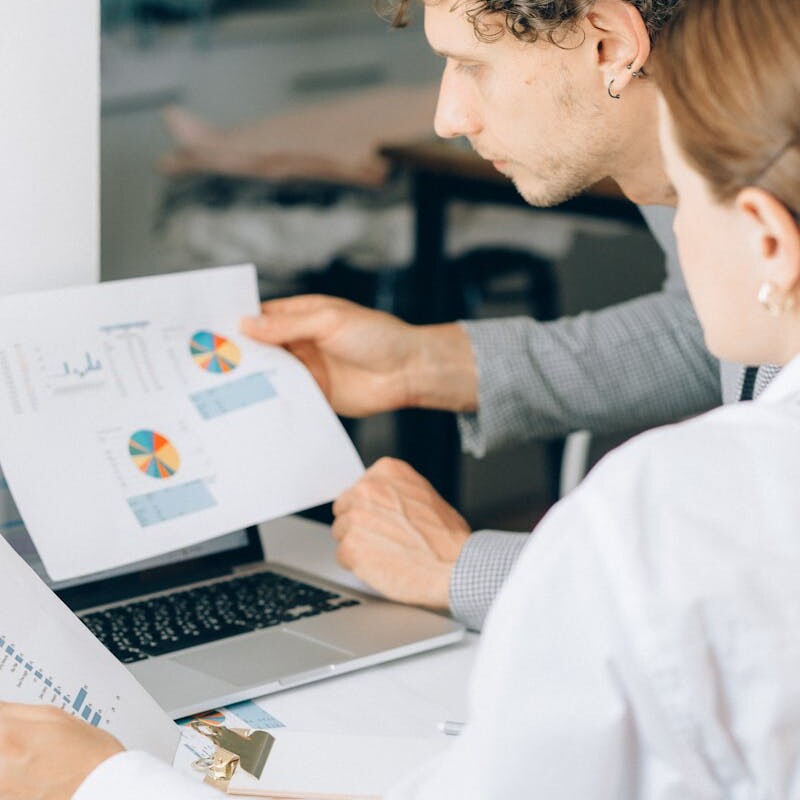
[
  {"x": 48, "y": 657},
  {"x": 135, "y": 419}
]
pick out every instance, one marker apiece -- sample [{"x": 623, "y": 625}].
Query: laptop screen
[{"x": 19, "y": 539}]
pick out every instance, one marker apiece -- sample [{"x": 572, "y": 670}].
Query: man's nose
[{"x": 455, "y": 114}]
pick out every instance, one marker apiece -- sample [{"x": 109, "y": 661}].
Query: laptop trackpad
[{"x": 262, "y": 656}]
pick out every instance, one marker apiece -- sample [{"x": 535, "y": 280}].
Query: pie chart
[
  {"x": 214, "y": 718},
  {"x": 154, "y": 454},
  {"x": 214, "y": 353}
]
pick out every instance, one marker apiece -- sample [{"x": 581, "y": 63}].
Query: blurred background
[{"x": 252, "y": 130}]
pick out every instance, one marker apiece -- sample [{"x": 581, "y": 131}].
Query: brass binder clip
[
  {"x": 248, "y": 749},
  {"x": 219, "y": 768}
]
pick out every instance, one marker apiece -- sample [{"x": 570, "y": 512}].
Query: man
[{"x": 558, "y": 101}]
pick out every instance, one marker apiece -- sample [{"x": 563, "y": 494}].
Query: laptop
[{"x": 218, "y": 623}]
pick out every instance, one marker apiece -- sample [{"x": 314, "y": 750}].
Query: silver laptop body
[{"x": 359, "y": 632}]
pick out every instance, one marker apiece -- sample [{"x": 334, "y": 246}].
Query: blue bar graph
[
  {"x": 253, "y": 715},
  {"x": 232, "y": 396},
  {"x": 9, "y": 654},
  {"x": 247, "y": 712},
  {"x": 79, "y": 700},
  {"x": 167, "y": 504}
]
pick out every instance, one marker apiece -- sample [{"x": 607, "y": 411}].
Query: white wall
[{"x": 49, "y": 143}]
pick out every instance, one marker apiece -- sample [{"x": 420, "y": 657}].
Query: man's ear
[
  {"x": 620, "y": 40},
  {"x": 773, "y": 240}
]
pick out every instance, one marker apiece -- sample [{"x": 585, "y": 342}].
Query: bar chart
[
  {"x": 28, "y": 676},
  {"x": 167, "y": 504},
  {"x": 212, "y": 403}
]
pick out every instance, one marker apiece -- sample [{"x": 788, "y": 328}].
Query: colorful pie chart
[
  {"x": 214, "y": 353},
  {"x": 154, "y": 454},
  {"x": 213, "y": 718}
]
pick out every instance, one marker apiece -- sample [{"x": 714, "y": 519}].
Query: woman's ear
[
  {"x": 773, "y": 237},
  {"x": 621, "y": 41}
]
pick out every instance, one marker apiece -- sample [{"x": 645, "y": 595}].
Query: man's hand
[
  {"x": 45, "y": 754},
  {"x": 398, "y": 535},
  {"x": 367, "y": 361}
]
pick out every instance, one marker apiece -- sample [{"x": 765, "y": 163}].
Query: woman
[{"x": 648, "y": 643}]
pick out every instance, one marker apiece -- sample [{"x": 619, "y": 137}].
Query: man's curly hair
[{"x": 528, "y": 20}]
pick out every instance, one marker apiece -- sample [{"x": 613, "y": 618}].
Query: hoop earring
[
  {"x": 772, "y": 304},
  {"x": 610, "y": 93}
]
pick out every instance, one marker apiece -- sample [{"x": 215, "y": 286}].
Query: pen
[{"x": 450, "y": 728}]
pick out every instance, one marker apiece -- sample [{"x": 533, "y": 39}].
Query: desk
[
  {"x": 401, "y": 698},
  {"x": 407, "y": 697},
  {"x": 440, "y": 174}
]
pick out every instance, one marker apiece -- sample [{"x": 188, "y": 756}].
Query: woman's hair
[
  {"x": 529, "y": 20},
  {"x": 729, "y": 71}
]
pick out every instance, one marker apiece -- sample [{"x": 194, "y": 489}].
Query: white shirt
[{"x": 647, "y": 644}]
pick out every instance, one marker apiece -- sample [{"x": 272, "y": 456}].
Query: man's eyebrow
[{"x": 455, "y": 56}]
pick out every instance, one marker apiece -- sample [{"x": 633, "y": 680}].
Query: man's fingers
[
  {"x": 361, "y": 548},
  {"x": 286, "y": 328},
  {"x": 344, "y": 501},
  {"x": 370, "y": 492},
  {"x": 393, "y": 484},
  {"x": 400, "y": 473},
  {"x": 412, "y": 488},
  {"x": 292, "y": 319},
  {"x": 302, "y": 304}
]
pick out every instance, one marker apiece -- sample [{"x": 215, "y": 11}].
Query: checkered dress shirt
[{"x": 638, "y": 364}]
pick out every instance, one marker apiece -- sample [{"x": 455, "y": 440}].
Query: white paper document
[
  {"x": 135, "y": 419},
  {"x": 47, "y": 656}
]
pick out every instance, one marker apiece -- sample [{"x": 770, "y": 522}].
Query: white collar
[{"x": 785, "y": 384}]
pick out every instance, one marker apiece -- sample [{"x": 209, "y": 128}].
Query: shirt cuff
[
  {"x": 132, "y": 775},
  {"x": 480, "y": 571},
  {"x": 498, "y": 347}
]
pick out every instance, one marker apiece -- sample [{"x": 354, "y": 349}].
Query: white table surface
[{"x": 408, "y": 697}]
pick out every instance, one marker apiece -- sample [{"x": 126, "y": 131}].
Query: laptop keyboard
[{"x": 205, "y": 614}]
